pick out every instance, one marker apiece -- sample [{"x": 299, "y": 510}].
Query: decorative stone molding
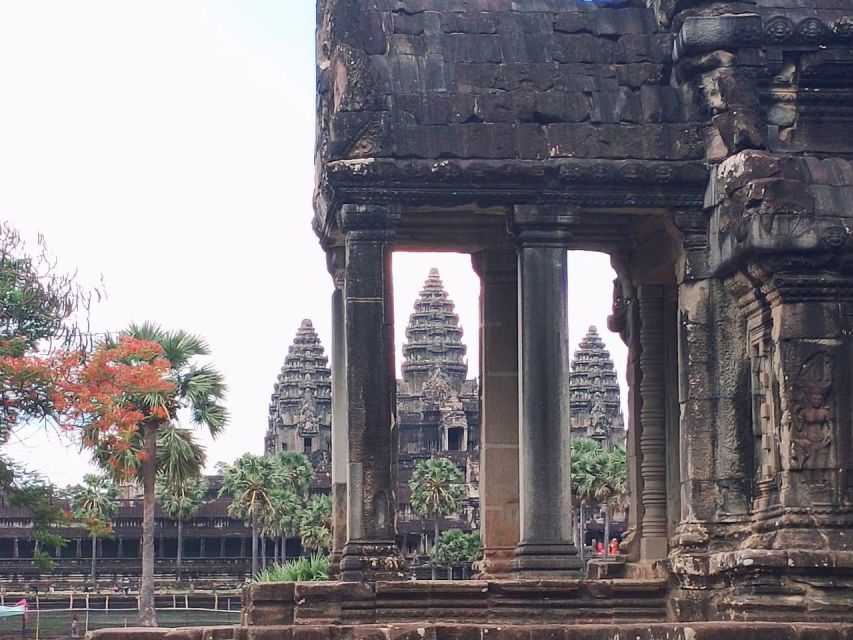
[{"x": 701, "y": 34}]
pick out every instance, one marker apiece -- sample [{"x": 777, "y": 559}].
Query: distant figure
[
  {"x": 614, "y": 547},
  {"x": 75, "y": 627},
  {"x": 599, "y": 548}
]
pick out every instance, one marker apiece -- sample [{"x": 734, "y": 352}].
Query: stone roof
[{"x": 433, "y": 336}]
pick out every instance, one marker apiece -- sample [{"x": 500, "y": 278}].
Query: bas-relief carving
[{"x": 808, "y": 423}]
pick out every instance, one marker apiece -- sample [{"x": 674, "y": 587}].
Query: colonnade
[{"x": 525, "y": 479}]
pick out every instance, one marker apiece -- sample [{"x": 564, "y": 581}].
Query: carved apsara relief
[{"x": 809, "y": 422}]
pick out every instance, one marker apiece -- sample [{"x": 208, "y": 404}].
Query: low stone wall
[
  {"x": 497, "y": 602},
  {"x": 671, "y": 631}
]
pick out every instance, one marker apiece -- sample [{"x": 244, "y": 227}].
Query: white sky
[{"x": 167, "y": 145}]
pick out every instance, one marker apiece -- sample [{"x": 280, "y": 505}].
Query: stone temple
[
  {"x": 301, "y": 403},
  {"x": 707, "y": 147},
  {"x": 594, "y": 404}
]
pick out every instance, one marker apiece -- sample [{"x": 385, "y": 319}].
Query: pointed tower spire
[
  {"x": 594, "y": 392},
  {"x": 300, "y": 406},
  {"x": 433, "y": 338}
]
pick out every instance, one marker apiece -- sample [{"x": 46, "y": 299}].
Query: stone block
[
  {"x": 807, "y": 320},
  {"x": 582, "y": 48},
  {"x": 408, "y": 24},
  {"x": 531, "y": 142},
  {"x": 572, "y": 22}
]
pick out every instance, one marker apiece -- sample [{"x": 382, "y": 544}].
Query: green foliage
[
  {"x": 38, "y": 306},
  {"x": 250, "y": 481},
  {"x": 588, "y": 462},
  {"x": 437, "y": 487},
  {"x": 612, "y": 488},
  {"x": 29, "y": 491},
  {"x": 295, "y": 471},
  {"x": 315, "y": 527},
  {"x": 180, "y": 499},
  {"x": 454, "y": 545},
  {"x": 285, "y": 514},
  {"x": 599, "y": 475},
  {"x": 94, "y": 503},
  {"x": 313, "y": 569}
]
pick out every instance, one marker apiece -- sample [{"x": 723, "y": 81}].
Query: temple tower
[
  {"x": 301, "y": 403},
  {"x": 434, "y": 339},
  {"x": 437, "y": 408},
  {"x": 594, "y": 394}
]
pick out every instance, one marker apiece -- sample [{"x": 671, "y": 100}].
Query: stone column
[
  {"x": 202, "y": 551},
  {"x": 78, "y": 552},
  {"x": 499, "y": 523},
  {"x": 120, "y": 549},
  {"x": 242, "y": 547},
  {"x": 221, "y": 548},
  {"x": 546, "y": 545},
  {"x": 16, "y": 553},
  {"x": 371, "y": 551},
  {"x": 340, "y": 454},
  {"x": 653, "y": 543}
]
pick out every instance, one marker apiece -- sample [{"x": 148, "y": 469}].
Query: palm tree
[
  {"x": 94, "y": 503},
  {"x": 612, "y": 488},
  {"x": 283, "y": 519},
  {"x": 181, "y": 501},
  {"x": 295, "y": 471},
  {"x": 197, "y": 389},
  {"x": 315, "y": 528},
  {"x": 251, "y": 481},
  {"x": 587, "y": 460},
  {"x": 438, "y": 489}
]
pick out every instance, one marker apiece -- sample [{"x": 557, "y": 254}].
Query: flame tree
[{"x": 126, "y": 397}]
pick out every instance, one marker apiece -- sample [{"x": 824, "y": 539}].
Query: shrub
[
  {"x": 455, "y": 545},
  {"x": 312, "y": 569}
]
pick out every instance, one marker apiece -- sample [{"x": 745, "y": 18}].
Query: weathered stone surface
[{"x": 705, "y": 146}]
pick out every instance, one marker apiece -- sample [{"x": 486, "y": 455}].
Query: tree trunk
[
  {"x": 583, "y": 530},
  {"x": 180, "y": 550},
  {"x": 606, "y": 530},
  {"x": 435, "y": 537},
  {"x": 147, "y": 613},
  {"x": 263, "y": 552},
  {"x": 283, "y": 549},
  {"x": 254, "y": 542},
  {"x": 94, "y": 560}
]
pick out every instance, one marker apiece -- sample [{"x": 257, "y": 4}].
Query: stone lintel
[{"x": 629, "y": 184}]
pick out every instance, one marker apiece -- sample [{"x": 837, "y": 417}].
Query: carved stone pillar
[
  {"x": 499, "y": 523},
  {"x": 340, "y": 455},
  {"x": 120, "y": 549},
  {"x": 545, "y": 500},
  {"x": 201, "y": 548},
  {"x": 626, "y": 323},
  {"x": 653, "y": 543},
  {"x": 371, "y": 551},
  {"x": 16, "y": 553}
]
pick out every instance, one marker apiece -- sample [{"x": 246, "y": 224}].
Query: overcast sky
[{"x": 168, "y": 146}]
